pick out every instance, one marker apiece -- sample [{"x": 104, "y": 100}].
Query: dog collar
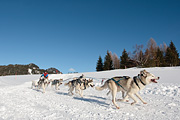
[
  {"x": 141, "y": 81},
  {"x": 136, "y": 81}
]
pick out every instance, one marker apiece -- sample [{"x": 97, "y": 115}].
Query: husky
[
  {"x": 79, "y": 85},
  {"x": 56, "y": 83},
  {"x": 131, "y": 86},
  {"x": 34, "y": 84},
  {"x": 43, "y": 83}
]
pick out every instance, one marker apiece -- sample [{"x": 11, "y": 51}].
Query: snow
[
  {"x": 19, "y": 102},
  {"x": 30, "y": 71}
]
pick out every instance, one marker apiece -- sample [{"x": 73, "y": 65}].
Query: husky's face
[
  {"x": 149, "y": 77},
  {"x": 90, "y": 83}
]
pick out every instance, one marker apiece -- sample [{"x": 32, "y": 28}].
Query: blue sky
[{"x": 71, "y": 34}]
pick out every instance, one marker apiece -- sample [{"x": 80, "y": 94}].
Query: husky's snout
[{"x": 154, "y": 80}]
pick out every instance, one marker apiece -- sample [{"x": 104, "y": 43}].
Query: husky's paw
[
  {"x": 118, "y": 100},
  {"x": 121, "y": 100},
  {"x": 144, "y": 102},
  {"x": 133, "y": 103},
  {"x": 117, "y": 107}
]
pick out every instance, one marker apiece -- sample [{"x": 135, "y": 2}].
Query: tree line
[{"x": 151, "y": 56}]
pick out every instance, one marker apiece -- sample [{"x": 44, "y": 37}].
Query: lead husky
[
  {"x": 129, "y": 85},
  {"x": 79, "y": 85}
]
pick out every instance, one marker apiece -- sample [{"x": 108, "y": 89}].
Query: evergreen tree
[
  {"x": 160, "y": 62},
  {"x": 124, "y": 60},
  {"x": 99, "y": 64},
  {"x": 169, "y": 57},
  {"x": 108, "y": 65},
  {"x": 172, "y": 56}
]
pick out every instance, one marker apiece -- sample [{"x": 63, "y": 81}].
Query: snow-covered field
[{"x": 19, "y": 102}]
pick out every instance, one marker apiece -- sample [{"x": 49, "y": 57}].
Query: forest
[{"x": 150, "y": 56}]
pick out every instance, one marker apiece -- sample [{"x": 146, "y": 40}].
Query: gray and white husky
[
  {"x": 79, "y": 85},
  {"x": 56, "y": 83},
  {"x": 131, "y": 86}
]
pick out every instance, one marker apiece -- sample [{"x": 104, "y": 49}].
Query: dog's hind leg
[
  {"x": 71, "y": 90},
  {"x": 140, "y": 98},
  {"x": 114, "y": 92}
]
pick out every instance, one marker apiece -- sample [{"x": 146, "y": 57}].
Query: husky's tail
[
  {"x": 67, "y": 84},
  {"x": 102, "y": 87}
]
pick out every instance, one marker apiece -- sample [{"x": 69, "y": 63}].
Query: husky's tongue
[{"x": 153, "y": 80}]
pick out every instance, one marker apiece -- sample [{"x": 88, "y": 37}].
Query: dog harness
[
  {"x": 117, "y": 82},
  {"x": 85, "y": 84},
  {"x": 134, "y": 78}
]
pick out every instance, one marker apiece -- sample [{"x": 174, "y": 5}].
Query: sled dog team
[{"x": 127, "y": 85}]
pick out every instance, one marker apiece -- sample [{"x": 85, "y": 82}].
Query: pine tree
[
  {"x": 108, "y": 62},
  {"x": 160, "y": 62},
  {"x": 169, "y": 57},
  {"x": 124, "y": 60},
  {"x": 172, "y": 56},
  {"x": 99, "y": 64}
]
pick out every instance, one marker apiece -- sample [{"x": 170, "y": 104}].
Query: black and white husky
[{"x": 42, "y": 83}]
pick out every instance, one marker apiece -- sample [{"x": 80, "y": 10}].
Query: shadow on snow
[{"x": 92, "y": 101}]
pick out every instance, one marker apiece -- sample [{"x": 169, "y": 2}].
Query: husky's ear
[{"x": 143, "y": 73}]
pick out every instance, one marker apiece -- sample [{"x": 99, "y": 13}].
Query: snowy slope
[{"x": 19, "y": 102}]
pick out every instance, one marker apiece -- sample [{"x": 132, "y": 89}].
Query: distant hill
[{"x": 31, "y": 68}]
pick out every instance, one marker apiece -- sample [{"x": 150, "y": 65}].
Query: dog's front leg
[
  {"x": 56, "y": 86},
  {"x": 51, "y": 86},
  {"x": 77, "y": 91},
  {"x": 124, "y": 98},
  {"x": 132, "y": 96},
  {"x": 32, "y": 86},
  {"x": 43, "y": 87},
  {"x": 140, "y": 98},
  {"x": 81, "y": 92}
]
